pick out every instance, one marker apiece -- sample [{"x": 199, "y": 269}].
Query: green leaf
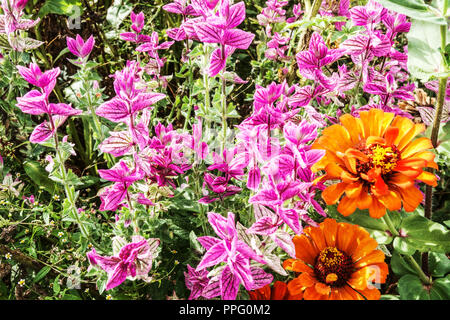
[
  {"x": 56, "y": 286},
  {"x": 62, "y": 7},
  {"x": 424, "y": 56},
  {"x": 4, "y": 43},
  {"x": 41, "y": 274},
  {"x": 24, "y": 44},
  {"x": 71, "y": 295},
  {"x": 411, "y": 288},
  {"x": 404, "y": 247},
  {"x": 416, "y": 9},
  {"x": 399, "y": 265},
  {"x": 39, "y": 175},
  {"x": 71, "y": 178},
  {"x": 444, "y": 140},
  {"x": 440, "y": 290},
  {"x": 439, "y": 264},
  {"x": 46, "y": 216},
  {"x": 118, "y": 12},
  {"x": 389, "y": 297},
  {"x": 61, "y": 53},
  {"x": 194, "y": 243},
  {"x": 425, "y": 235},
  {"x": 88, "y": 181},
  {"x": 101, "y": 284}
]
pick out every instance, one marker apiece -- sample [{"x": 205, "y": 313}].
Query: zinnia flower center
[
  {"x": 333, "y": 267},
  {"x": 382, "y": 157}
]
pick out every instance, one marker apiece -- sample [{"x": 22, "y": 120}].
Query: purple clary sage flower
[
  {"x": 311, "y": 62},
  {"x": 130, "y": 99},
  {"x": 11, "y": 19},
  {"x": 36, "y": 102},
  {"x": 79, "y": 47},
  {"x": 396, "y": 23},
  {"x": 277, "y": 47},
  {"x": 217, "y": 188},
  {"x": 123, "y": 177},
  {"x": 369, "y": 15},
  {"x": 231, "y": 163},
  {"x": 268, "y": 223},
  {"x": 180, "y": 7},
  {"x": 220, "y": 28},
  {"x": 137, "y": 25},
  {"x": 195, "y": 281},
  {"x": 274, "y": 193},
  {"x": 271, "y": 14},
  {"x": 388, "y": 89},
  {"x": 236, "y": 254},
  {"x": 336, "y": 8},
  {"x": 132, "y": 260},
  {"x": 152, "y": 46}
]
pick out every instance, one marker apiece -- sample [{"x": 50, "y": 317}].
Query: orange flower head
[
  {"x": 336, "y": 261},
  {"x": 377, "y": 161},
  {"x": 278, "y": 291}
]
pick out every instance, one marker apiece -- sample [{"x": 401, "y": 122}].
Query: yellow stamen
[
  {"x": 330, "y": 257},
  {"x": 383, "y": 157}
]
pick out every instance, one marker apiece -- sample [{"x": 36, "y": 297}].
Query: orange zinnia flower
[
  {"x": 377, "y": 161},
  {"x": 336, "y": 261},
  {"x": 278, "y": 291}
]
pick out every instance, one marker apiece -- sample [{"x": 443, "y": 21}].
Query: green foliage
[
  {"x": 424, "y": 235},
  {"x": 411, "y": 288},
  {"x": 61, "y": 7},
  {"x": 424, "y": 56},
  {"x": 416, "y": 9},
  {"x": 39, "y": 176}
]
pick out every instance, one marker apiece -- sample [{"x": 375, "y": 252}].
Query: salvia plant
[{"x": 217, "y": 149}]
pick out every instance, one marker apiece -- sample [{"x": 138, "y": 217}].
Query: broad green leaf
[
  {"x": 101, "y": 284},
  {"x": 404, "y": 247},
  {"x": 441, "y": 289},
  {"x": 416, "y": 9},
  {"x": 425, "y": 235},
  {"x": 438, "y": 264},
  {"x": 69, "y": 296},
  {"x": 118, "y": 12},
  {"x": 62, "y": 7},
  {"x": 424, "y": 57},
  {"x": 39, "y": 175},
  {"x": 399, "y": 265},
  {"x": 46, "y": 216},
  {"x": 411, "y": 288}
]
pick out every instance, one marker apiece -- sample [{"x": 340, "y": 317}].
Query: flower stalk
[{"x": 68, "y": 190}]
